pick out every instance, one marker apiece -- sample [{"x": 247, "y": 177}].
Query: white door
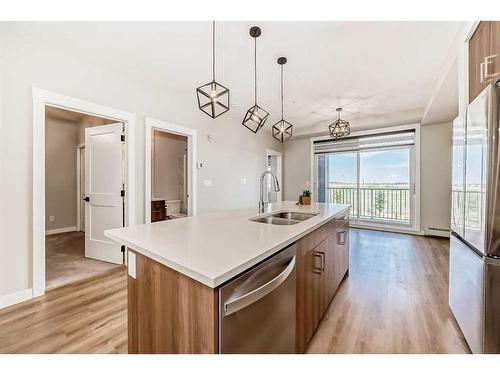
[
  {"x": 103, "y": 186},
  {"x": 82, "y": 189}
]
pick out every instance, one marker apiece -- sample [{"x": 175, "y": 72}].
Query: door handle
[
  {"x": 86, "y": 199},
  {"x": 239, "y": 303}
]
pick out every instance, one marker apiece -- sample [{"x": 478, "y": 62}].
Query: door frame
[
  {"x": 279, "y": 167},
  {"x": 192, "y": 188},
  {"x": 41, "y": 99},
  {"x": 79, "y": 149}
]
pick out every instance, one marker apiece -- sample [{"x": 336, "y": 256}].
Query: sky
[{"x": 389, "y": 166}]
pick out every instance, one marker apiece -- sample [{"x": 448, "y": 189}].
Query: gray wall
[
  {"x": 296, "y": 167},
  {"x": 61, "y": 140},
  {"x": 29, "y": 57},
  {"x": 166, "y": 151}
]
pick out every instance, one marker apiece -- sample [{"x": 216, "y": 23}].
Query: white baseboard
[
  {"x": 386, "y": 229},
  {"x": 60, "y": 230},
  {"x": 438, "y": 232},
  {"x": 15, "y": 298}
]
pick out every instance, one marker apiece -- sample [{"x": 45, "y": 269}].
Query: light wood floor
[
  {"x": 85, "y": 317},
  {"x": 393, "y": 301}
]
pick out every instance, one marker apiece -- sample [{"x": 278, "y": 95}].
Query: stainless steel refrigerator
[{"x": 474, "y": 285}]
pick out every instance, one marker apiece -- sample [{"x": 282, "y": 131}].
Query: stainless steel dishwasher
[{"x": 257, "y": 309}]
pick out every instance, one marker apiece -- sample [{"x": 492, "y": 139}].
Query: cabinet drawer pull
[
  {"x": 320, "y": 255},
  {"x": 481, "y": 72},
  {"x": 341, "y": 237}
]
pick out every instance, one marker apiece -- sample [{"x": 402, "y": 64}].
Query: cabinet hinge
[
  {"x": 123, "y": 137},
  {"x": 122, "y": 193},
  {"x": 123, "y": 248}
]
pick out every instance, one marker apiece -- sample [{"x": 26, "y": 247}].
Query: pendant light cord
[
  {"x": 213, "y": 50},
  {"x": 282, "y": 91},
  {"x": 255, "y": 69}
]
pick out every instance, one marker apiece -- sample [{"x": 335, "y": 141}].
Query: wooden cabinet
[
  {"x": 308, "y": 309},
  {"x": 494, "y": 67},
  {"x": 341, "y": 258},
  {"x": 158, "y": 211},
  {"x": 484, "y": 57},
  {"x": 168, "y": 312},
  {"x": 320, "y": 270}
]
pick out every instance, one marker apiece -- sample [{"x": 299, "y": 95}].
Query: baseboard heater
[{"x": 439, "y": 232}]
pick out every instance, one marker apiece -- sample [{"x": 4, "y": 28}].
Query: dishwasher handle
[{"x": 239, "y": 303}]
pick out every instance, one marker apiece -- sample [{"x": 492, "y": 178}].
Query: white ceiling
[
  {"x": 381, "y": 73},
  {"x": 443, "y": 106}
]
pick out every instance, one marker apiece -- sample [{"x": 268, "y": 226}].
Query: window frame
[{"x": 414, "y": 225}]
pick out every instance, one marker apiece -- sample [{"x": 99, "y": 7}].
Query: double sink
[{"x": 284, "y": 218}]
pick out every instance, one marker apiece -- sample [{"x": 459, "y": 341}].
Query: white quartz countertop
[{"x": 213, "y": 248}]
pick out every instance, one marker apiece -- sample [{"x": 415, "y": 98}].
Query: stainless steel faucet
[{"x": 262, "y": 204}]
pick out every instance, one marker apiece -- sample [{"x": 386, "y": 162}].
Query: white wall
[
  {"x": 435, "y": 175},
  {"x": 32, "y": 59}
]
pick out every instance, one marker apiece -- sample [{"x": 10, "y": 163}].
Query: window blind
[{"x": 366, "y": 142}]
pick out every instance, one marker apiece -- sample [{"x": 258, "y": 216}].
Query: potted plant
[{"x": 305, "y": 198}]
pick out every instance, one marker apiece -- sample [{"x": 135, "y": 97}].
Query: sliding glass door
[
  {"x": 384, "y": 185},
  {"x": 376, "y": 180}
]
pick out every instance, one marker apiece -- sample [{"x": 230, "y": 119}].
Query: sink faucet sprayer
[{"x": 262, "y": 204}]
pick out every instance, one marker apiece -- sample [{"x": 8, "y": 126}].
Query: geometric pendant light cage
[
  {"x": 213, "y": 98},
  {"x": 256, "y": 116},
  {"x": 340, "y": 128},
  {"x": 282, "y": 130}
]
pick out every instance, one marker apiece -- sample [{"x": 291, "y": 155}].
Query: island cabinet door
[
  {"x": 341, "y": 244},
  {"x": 309, "y": 309}
]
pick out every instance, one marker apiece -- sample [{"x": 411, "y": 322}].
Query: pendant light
[
  {"x": 282, "y": 130},
  {"x": 213, "y": 98},
  {"x": 256, "y": 116},
  {"x": 339, "y": 128}
]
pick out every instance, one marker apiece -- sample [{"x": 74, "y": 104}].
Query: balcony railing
[
  {"x": 473, "y": 210},
  {"x": 386, "y": 204}
]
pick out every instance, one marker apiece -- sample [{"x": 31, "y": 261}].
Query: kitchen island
[{"x": 177, "y": 269}]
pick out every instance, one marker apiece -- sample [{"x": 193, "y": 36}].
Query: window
[{"x": 374, "y": 174}]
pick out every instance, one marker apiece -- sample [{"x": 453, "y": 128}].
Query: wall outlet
[
  {"x": 243, "y": 181},
  {"x": 52, "y": 219},
  {"x": 207, "y": 182}
]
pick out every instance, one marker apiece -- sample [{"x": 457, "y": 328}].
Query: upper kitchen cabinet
[
  {"x": 484, "y": 56},
  {"x": 495, "y": 49}
]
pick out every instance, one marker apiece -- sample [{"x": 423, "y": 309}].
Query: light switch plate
[
  {"x": 207, "y": 182},
  {"x": 243, "y": 181},
  {"x": 131, "y": 264}
]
